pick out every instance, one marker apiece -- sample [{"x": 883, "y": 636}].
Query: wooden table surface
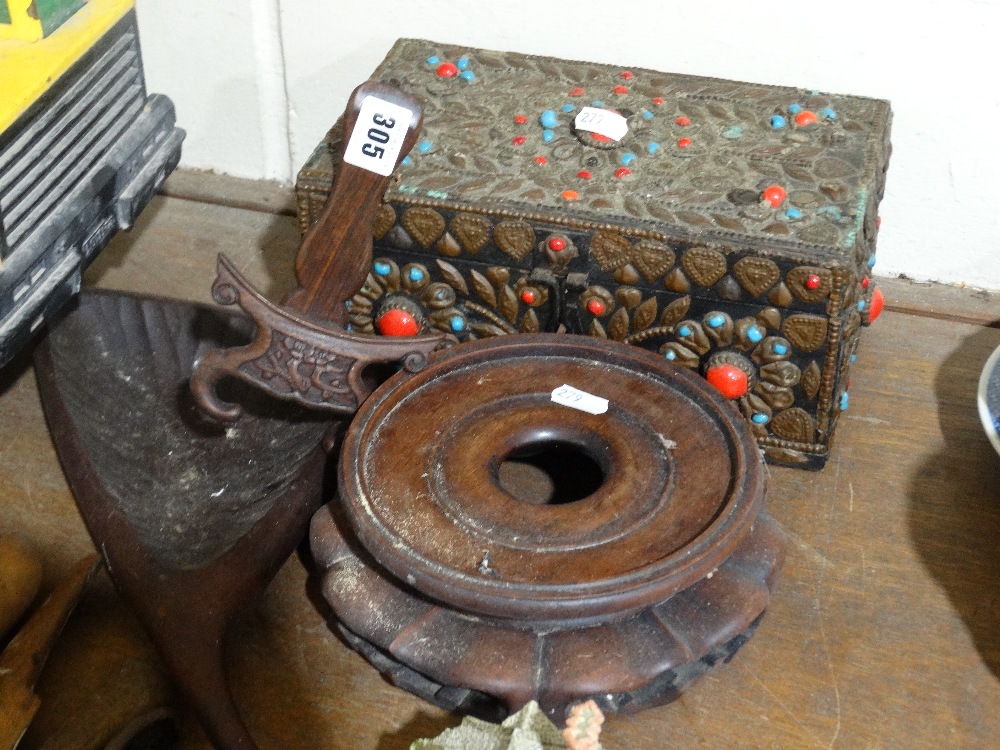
[{"x": 884, "y": 631}]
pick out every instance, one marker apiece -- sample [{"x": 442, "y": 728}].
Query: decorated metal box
[{"x": 731, "y": 228}]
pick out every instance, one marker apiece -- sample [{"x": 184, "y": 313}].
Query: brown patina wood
[{"x": 881, "y": 633}]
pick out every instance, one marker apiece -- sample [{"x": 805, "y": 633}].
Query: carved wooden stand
[{"x": 493, "y": 547}]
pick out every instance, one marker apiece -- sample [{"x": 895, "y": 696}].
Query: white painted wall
[{"x": 256, "y": 88}]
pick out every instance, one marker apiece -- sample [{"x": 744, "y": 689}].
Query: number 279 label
[{"x": 378, "y": 136}]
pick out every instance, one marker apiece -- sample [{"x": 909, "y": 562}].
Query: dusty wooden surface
[{"x": 885, "y": 628}]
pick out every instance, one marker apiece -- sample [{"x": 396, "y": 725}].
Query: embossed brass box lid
[{"x": 796, "y": 174}]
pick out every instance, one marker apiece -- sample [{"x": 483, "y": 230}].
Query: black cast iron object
[{"x": 192, "y": 518}]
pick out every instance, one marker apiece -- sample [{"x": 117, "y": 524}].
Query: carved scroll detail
[{"x": 296, "y": 359}]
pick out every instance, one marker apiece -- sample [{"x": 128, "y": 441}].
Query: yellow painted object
[
  {"x": 83, "y": 148},
  {"x": 33, "y": 57}
]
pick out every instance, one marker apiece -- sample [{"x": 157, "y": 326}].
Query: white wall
[{"x": 257, "y": 88}]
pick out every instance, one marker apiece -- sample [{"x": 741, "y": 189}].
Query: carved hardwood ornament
[
  {"x": 301, "y": 351},
  {"x": 632, "y": 558},
  {"x": 492, "y": 545}
]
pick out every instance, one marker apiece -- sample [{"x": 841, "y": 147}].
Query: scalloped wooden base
[{"x": 491, "y": 546}]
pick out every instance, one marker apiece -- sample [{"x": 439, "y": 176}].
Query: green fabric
[
  {"x": 52, "y": 13},
  {"x": 4, "y": 12},
  {"x": 528, "y": 729}
]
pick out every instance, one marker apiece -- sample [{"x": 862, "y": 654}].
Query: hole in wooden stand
[{"x": 550, "y": 472}]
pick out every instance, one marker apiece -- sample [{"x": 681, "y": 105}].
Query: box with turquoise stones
[{"x": 731, "y": 228}]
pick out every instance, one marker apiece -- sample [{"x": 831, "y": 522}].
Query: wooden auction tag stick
[
  {"x": 303, "y": 351},
  {"x": 381, "y": 125}
]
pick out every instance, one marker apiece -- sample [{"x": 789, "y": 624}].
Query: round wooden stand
[{"x": 491, "y": 546}]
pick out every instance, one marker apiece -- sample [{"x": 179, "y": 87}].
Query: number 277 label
[{"x": 378, "y": 136}]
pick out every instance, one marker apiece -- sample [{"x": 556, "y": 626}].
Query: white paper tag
[
  {"x": 378, "y": 136},
  {"x": 567, "y": 395},
  {"x": 603, "y": 122}
]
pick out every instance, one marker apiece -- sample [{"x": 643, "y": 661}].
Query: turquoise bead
[
  {"x": 383, "y": 269},
  {"x": 717, "y": 321},
  {"x": 844, "y": 401},
  {"x": 871, "y": 262},
  {"x": 463, "y": 63},
  {"x": 457, "y": 323},
  {"x": 467, "y": 75},
  {"x": 549, "y": 119},
  {"x": 407, "y": 160},
  {"x": 755, "y": 334},
  {"x": 733, "y": 132},
  {"x": 548, "y": 136},
  {"x": 828, "y": 113},
  {"x": 647, "y": 115},
  {"x": 568, "y": 108},
  {"x": 794, "y": 108},
  {"x": 670, "y": 354},
  {"x": 854, "y": 358},
  {"x": 597, "y": 103},
  {"x": 780, "y": 349},
  {"x": 760, "y": 418},
  {"x": 778, "y": 122},
  {"x": 684, "y": 331},
  {"x": 416, "y": 274},
  {"x": 793, "y": 214},
  {"x": 433, "y": 60},
  {"x": 653, "y": 148},
  {"x": 425, "y": 147},
  {"x": 861, "y": 305},
  {"x": 627, "y": 159}
]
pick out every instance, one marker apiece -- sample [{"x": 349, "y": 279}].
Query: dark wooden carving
[
  {"x": 335, "y": 255},
  {"x": 302, "y": 351},
  {"x": 505, "y": 548},
  {"x": 294, "y": 358},
  {"x": 192, "y": 518}
]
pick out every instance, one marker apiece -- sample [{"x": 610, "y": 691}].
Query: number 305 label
[{"x": 378, "y": 136}]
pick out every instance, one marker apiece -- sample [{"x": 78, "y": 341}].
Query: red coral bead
[
  {"x": 730, "y": 380},
  {"x": 682, "y": 121},
  {"x": 813, "y": 281},
  {"x": 570, "y": 195},
  {"x": 657, "y": 100},
  {"x": 557, "y": 244},
  {"x": 520, "y": 119},
  {"x": 865, "y": 282},
  {"x": 627, "y": 75},
  {"x": 447, "y": 70},
  {"x": 805, "y": 117},
  {"x": 684, "y": 143},
  {"x": 583, "y": 174},
  {"x": 621, "y": 89},
  {"x": 528, "y": 297},
  {"x": 541, "y": 160},
  {"x": 519, "y": 140},
  {"x": 595, "y": 306},
  {"x": 397, "y": 323},
  {"x": 774, "y": 194},
  {"x": 622, "y": 172},
  {"x": 576, "y": 92},
  {"x": 878, "y": 302}
]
